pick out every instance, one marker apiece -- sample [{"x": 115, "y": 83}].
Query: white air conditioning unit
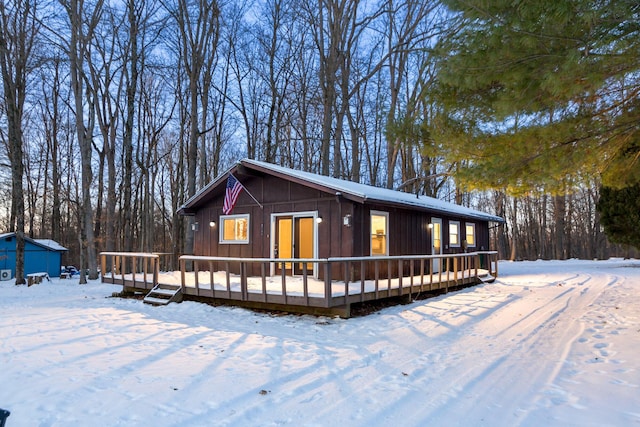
[{"x": 5, "y": 274}]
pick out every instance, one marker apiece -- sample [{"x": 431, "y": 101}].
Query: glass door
[
  {"x": 284, "y": 242},
  {"x": 303, "y": 242},
  {"x": 295, "y": 238}
]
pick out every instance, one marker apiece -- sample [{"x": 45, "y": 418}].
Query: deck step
[
  {"x": 167, "y": 292},
  {"x": 163, "y": 295},
  {"x": 487, "y": 278}
]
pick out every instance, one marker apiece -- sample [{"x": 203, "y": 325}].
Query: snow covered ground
[{"x": 553, "y": 343}]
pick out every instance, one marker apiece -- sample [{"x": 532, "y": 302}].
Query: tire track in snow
[
  {"x": 543, "y": 337},
  {"x": 468, "y": 370}
]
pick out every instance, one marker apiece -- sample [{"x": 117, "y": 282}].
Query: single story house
[
  {"x": 40, "y": 256},
  {"x": 285, "y": 213}
]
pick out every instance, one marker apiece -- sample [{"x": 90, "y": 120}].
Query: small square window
[{"x": 234, "y": 229}]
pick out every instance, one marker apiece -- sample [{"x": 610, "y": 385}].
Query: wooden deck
[{"x": 209, "y": 279}]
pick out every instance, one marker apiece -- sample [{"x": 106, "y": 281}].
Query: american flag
[{"x": 231, "y": 194}]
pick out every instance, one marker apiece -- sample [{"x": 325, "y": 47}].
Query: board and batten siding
[{"x": 408, "y": 229}]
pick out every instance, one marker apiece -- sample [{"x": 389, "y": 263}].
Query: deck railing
[
  {"x": 321, "y": 282},
  {"x": 139, "y": 269},
  {"x": 392, "y": 276}
]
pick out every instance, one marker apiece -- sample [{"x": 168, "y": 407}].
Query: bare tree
[
  {"x": 106, "y": 86},
  {"x": 51, "y": 113},
  {"x": 82, "y": 26},
  {"x": 18, "y": 32},
  {"x": 198, "y": 31}
]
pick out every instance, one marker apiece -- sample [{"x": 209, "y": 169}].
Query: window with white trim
[
  {"x": 234, "y": 229},
  {"x": 454, "y": 234},
  {"x": 471, "y": 234},
  {"x": 379, "y": 230}
]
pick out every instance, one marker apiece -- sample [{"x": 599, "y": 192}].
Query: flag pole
[{"x": 245, "y": 189}]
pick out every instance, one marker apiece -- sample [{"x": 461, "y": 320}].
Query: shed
[
  {"x": 40, "y": 256},
  {"x": 287, "y": 213}
]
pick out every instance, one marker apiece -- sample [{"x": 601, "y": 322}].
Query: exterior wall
[
  {"x": 277, "y": 196},
  {"x": 408, "y": 230},
  {"x": 36, "y": 258}
]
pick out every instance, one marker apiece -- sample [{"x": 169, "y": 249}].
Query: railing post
[
  {"x": 376, "y": 268},
  {"x": 243, "y": 281},
  {"x": 495, "y": 258},
  {"x": 327, "y": 284},
  {"x": 212, "y": 284},
  {"x": 156, "y": 270},
  {"x": 122, "y": 268},
  {"x": 283, "y": 278},
  {"x": 346, "y": 281},
  {"x": 196, "y": 273},
  {"x": 228, "y": 276},
  {"x": 455, "y": 269},
  {"x": 145, "y": 270},
  {"x": 362, "y": 280},
  {"x": 263, "y": 275},
  {"x": 400, "y": 274},
  {"x": 476, "y": 261},
  {"x": 305, "y": 284},
  {"x": 183, "y": 283}
]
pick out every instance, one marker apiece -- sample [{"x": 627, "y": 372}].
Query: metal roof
[{"x": 350, "y": 190}]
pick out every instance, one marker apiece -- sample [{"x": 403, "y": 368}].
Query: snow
[
  {"x": 51, "y": 244},
  {"x": 360, "y": 191},
  {"x": 552, "y": 343}
]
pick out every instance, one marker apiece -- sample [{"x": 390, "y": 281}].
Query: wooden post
[
  {"x": 362, "y": 284},
  {"x": 155, "y": 266},
  {"x": 243, "y": 282},
  {"x": 263, "y": 275},
  {"x": 103, "y": 266},
  {"x": 327, "y": 284},
  {"x": 196, "y": 272},
  {"x": 182, "y": 274},
  {"x": 400, "y": 267},
  {"x": 305, "y": 284},
  {"x": 346, "y": 281},
  {"x": 212, "y": 284},
  {"x": 283, "y": 278}
]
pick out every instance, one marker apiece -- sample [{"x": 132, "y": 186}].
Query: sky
[{"x": 552, "y": 343}]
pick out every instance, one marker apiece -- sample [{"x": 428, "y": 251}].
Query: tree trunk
[
  {"x": 18, "y": 31},
  {"x": 78, "y": 45}
]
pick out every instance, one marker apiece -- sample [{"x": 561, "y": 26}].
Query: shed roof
[
  {"x": 48, "y": 244},
  {"x": 361, "y": 193}
]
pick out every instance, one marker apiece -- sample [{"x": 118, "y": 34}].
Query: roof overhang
[{"x": 356, "y": 192}]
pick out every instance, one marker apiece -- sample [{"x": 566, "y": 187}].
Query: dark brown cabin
[{"x": 299, "y": 214}]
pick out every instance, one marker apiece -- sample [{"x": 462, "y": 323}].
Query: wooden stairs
[
  {"x": 162, "y": 294},
  {"x": 486, "y": 278}
]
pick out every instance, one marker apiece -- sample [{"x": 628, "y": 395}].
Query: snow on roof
[
  {"x": 51, "y": 244},
  {"x": 46, "y": 243},
  {"x": 371, "y": 193}
]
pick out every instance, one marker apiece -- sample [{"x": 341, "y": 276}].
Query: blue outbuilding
[{"x": 40, "y": 256}]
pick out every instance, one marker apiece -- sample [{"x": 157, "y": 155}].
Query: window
[
  {"x": 379, "y": 224},
  {"x": 471, "y": 234},
  {"x": 454, "y": 233},
  {"x": 234, "y": 229}
]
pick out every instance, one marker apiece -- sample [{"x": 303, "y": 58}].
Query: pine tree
[
  {"x": 537, "y": 93},
  {"x": 620, "y": 214}
]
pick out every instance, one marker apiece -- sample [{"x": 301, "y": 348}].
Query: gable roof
[
  {"x": 48, "y": 244},
  {"x": 354, "y": 191}
]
